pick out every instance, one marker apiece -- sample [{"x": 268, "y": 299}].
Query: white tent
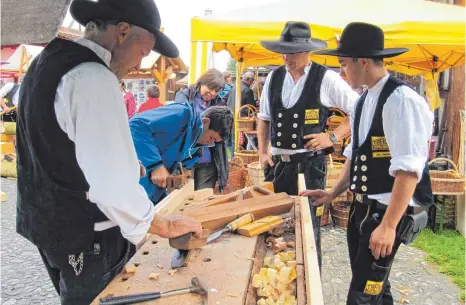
[{"x": 21, "y": 58}]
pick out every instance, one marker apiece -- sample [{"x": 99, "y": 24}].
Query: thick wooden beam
[{"x": 312, "y": 272}]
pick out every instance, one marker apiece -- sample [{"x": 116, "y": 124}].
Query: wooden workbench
[{"x": 225, "y": 266}]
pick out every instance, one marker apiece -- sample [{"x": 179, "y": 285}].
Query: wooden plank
[
  {"x": 311, "y": 268},
  {"x": 300, "y": 284},
  {"x": 224, "y": 266},
  {"x": 219, "y": 216},
  {"x": 170, "y": 203},
  {"x": 259, "y": 254}
]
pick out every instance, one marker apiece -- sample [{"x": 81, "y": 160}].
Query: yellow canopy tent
[{"x": 435, "y": 33}]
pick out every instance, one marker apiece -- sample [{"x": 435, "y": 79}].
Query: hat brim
[
  {"x": 386, "y": 53},
  {"x": 285, "y": 47},
  {"x": 84, "y": 11}
]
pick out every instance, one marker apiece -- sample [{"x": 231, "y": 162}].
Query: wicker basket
[
  {"x": 449, "y": 182},
  {"x": 335, "y": 120},
  {"x": 248, "y": 156},
  {"x": 247, "y": 123},
  {"x": 237, "y": 177},
  {"x": 334, "y": 170},
  {"x": 340, "y": 213},
  {"x": 256, "y": 173}
]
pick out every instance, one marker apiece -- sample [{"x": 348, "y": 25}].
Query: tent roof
[
  {"x": 427, "y": 28},
  {"x": 31, "y": 21},
  {"x": 13, "y": 63}
]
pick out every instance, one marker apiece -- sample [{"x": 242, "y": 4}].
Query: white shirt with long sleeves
[
  {"x": 407, "y": 124},
  {"x": 6, "y": 89},
  {"x": 90, "y": 108},
  {"x": 334, "y": 93}
]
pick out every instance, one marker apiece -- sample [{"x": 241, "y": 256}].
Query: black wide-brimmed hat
[
  {"x": 362, "y": 40},
  {"x": 141, "y": 13},
  {"x": 295, "y": 38}
]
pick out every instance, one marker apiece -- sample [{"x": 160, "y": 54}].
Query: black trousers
[
  {"x": 205, "y": 176},
  {"x": 284, "y": 176},
  {"x": 101, "y": 263},
  {"x": 10, "y": 116},
  {"x": 369, "y": 283}
]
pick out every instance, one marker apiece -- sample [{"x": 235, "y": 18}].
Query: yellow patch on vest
[
  {"x": 320, "y": 211},
  {"x": 373, "y": 288},
  {"x": 380, "y": 147},
  {"x": 312, "y": 116},
  {"x": 381, "y": 154}
]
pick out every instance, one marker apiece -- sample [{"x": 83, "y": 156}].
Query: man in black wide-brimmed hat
[
  {"x": 386, "y": 167},
  {"x": 79, "y": 198},
  {"x": 294, "y": 108}
]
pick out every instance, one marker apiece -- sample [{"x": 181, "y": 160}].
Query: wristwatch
[{"x": 333, "y": 137}]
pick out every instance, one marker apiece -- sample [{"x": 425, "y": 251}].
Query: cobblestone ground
[
  {"x": 413, "y": 280},
  {"x": 24, "y": 279}
]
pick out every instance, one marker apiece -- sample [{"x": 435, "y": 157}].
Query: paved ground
[{"x": 24, "y": 279}]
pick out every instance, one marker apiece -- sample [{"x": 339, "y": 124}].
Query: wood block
[
  {"x": 259, "y": 254},
  {"x": 260, "y": 226},
  {"x": 3, "y": 196},
  {"x": 268, "y": 185},
  {"x": 203, "y": 194},
  {"x": 216, "y": 217},
  {"x": 7, "y": 138},
  {"x": 7, "y": 148},
  {"x": 189, "y": 241}
]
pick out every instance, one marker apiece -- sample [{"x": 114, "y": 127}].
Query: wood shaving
[
  {"x": 154, "y": 276},
  {"x": 129, "y": 268},
  {"x": 160, "y": 266},
  {"x": 244, "y": 257},
  {"x": 172, "y": 272}
]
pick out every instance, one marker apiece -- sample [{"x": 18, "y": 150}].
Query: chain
[{"x": 74, "y": 263}]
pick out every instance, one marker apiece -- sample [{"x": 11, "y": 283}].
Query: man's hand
[
  {"x": 319, "y": 196},
  {"x": 265, "y": 160},
  {"x": 142, "y": 170},
  {"x": 382, "y": 240},
  {"x": 159, "y": 176},
  {"x": 174, "y": 225},
  {"x": 317, "y": 141}
]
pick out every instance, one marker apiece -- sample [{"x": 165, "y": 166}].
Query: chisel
[{"x": 232, "y": 226}]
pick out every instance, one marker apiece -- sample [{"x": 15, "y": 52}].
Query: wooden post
[
  {"x": 193, "y": 66},
  {"x": 163, "y": 83}
]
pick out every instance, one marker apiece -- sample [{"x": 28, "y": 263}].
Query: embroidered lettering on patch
[
  {"x": 373, "y": 288},
  {"x": 320, "y": 211},
  {"x": 312, "y": 116},
  {"x": 379, "y": 143},
  {"x": 381, "y": 154}
]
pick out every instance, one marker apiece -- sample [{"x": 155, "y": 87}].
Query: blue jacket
[{"x": 165, "y": 136}]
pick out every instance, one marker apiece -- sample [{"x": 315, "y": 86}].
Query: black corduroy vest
[
  {"x": 370, "y": 162},
  {"x": 308, "y": 116},
  {"x": 52, "y": 209}
]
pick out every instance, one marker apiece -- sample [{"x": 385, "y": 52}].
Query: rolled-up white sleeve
[
  {"x": 264, "y": 109},
  {"x": 336, "y": 93},
  {"x": 91, "y": 110},
  {"x": 407, "y": 123}
]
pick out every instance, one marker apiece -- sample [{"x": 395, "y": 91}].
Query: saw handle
[
  {"x": 130, "y": 299},
  {"x": 242, "y": 221}
]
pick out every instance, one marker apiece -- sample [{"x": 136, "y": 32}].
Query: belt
[
  {"x": 364, "y": 199},
  {"x": 298, "y": 157}
]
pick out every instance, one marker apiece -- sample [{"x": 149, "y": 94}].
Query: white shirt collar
[
  {"x": 377, "y": 88},
  {"x": 103, "y": 53}
]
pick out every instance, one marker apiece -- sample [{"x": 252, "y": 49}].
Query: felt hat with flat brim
[
  {"x": 141, "y": 13},
  {"x": 362, "y": 40},
  {"x": 295, "y": 38}
]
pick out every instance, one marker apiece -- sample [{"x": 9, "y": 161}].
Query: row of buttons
[
  {"x": 295, "y": 115},
  {"x": 295, "y": 125},
  {"x": 294, "y": 136},
  {"x": 292, "y": 145},
  {"x": 363, "y": 178},
  {"x": 363, "y": 168},
  {"x": 363, "y": 188}
]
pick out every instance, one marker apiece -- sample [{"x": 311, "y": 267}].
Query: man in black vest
[
  {"x": 386, "y": 167},
  {"x": 294, "y": 106},
  {"x": 79, "y": 198}
]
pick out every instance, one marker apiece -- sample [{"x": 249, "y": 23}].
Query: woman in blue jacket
[{"x": 165, "y": 136}]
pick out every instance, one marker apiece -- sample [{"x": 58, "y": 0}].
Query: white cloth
[
  {"x": 407, "y": 124},
  {"x": 90, "y": 109},
  {"x": 6, "y": 89},
  {"x": 334, "y": 93}
]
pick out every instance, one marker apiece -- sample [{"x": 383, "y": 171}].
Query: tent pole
[
  {"x": 239, "y": 71},
  {"x": 204, "y": 57},
  {"x": 193, "y": 66}
]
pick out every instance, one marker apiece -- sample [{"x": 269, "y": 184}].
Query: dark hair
[
  {"x": 221, "y": 120},
  {"x": 153, "y": 91},
  {"x": 378, "y": 61},
  {"x": 213, "y": 79}
]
